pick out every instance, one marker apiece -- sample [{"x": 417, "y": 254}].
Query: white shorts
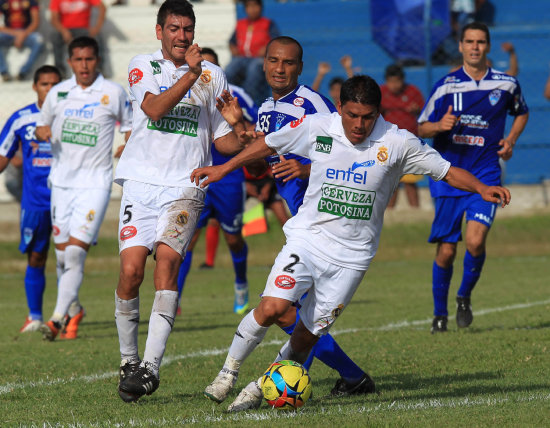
[
  {"x": 78, "y": 213},
  {"x": 330, "y": 287},
  {"x": 151, "y": 214}
]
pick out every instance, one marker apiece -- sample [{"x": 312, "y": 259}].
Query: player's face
[
  {"x": 46, "y": 81},
  {"x": 84, "y": 62},
  {"x": 395, "y": 84},
  {"x": 357, "y": 120},
  {"x": 474, "y": 48},
  {"x": 282, "y": 66},
  {"x": 176, "y": 36}
]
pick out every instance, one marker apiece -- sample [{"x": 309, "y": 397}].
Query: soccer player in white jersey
[
  {"x": 357, "y": 161},
  {"x": 79, "y": 117},
  {"x": 175, "y": 120}
]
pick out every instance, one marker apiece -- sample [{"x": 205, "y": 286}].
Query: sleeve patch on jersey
[
  {"x": 285, "y": 281},
  {"x": 297, "y": 122},
  {"x": 135, "y": 76},
  {"x": 298, "y": 102}
]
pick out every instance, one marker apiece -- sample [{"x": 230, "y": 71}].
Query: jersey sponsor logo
[
  {"x": 382, "y": 154},
  {"x": 494, "y": 96},
  {"x": 503, "y": 77},
  {"x": 135, "y": 76},
  {"x": 206, "y": 76},
  {"x": 42, "y": 162},
  {"x": 86, "y": 112},
  {"x": 323, "y": 144},
  {"x": 285, "y": 282},
  {"x": 182, "y": 119},
  {"x": 474, "y": 121},
  {"x": 483, "y": 217},
  {"x": 156, "y": 67},
  {"x": 80, "y": 132},
  {"x": 105, "y": 100},
  {"x": 346, "y": 202},
  {"x": 297, "y": 122},
  {"x": 469, "y": 140},
  {"x": 55, "y": 230},
  {"x": 127, "y": 232},
  {"x": 365, "y": 164},
  {"x": 40, "y": 147},
  {"x": 451, "y": 79},
  {"x": 25, "y": 112},
  {"x": 298, "y": 102},
  {"x": 349, "y": 175},
  {"x": 62, "y": 95}
]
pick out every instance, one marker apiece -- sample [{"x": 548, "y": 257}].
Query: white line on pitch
[{"x": 10, "y": 387}]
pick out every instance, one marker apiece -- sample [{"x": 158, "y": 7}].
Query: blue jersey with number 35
[
  {"x": 37, "y": 156},
  {"x": 273, "y": 115}
]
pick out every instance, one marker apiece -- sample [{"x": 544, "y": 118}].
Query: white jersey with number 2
[{"x": 350, "y": 185}]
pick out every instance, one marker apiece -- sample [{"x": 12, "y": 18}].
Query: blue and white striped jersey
[
  {"x": 481, "y": 108},
  {"x": 273, "y": 115},
  {"x": 37, "y": 156}
]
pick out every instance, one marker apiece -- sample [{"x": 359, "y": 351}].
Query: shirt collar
[
  {"x": 157, "y": 56},
  {"x": 377, "y": 133},
  {"x": 96, "y": 86}
]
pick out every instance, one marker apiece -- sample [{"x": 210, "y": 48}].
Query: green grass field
[{"x": 494, "y": 373}]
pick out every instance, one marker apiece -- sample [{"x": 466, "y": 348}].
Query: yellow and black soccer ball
[{"x": 286, "y": 385}]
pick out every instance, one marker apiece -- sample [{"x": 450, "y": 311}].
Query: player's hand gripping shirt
[
  {"x": 82, "y": 122},
  {"x": 350, "y": 186},
  {"x": 37, "y": 156},
  {"x": 166, "y": 151},
  {"x": 481, "y": 108},
  {"x": 273, "y": 115}
]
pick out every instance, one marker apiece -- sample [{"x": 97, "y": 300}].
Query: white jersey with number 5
[
  {"x": 350, "y": 185},
  {"x": 166, "y": 151},
  {"x": 82, "y": 122}
]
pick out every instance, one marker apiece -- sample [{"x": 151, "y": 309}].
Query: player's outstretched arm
[
  {"x": 157, "y": 106},
  {"x": 463, "y": 180},
  {"x": 4, "y": 161},
  {"x": 257, "y": 150},
  {"x": 290, "y": 168},
  {"x": 230, "y": 109}
]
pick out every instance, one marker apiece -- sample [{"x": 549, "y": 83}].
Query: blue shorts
[
  {"x": 449, "y": 212},
  {"x": 36, "y": 228},
  {"x": 224, "y": 202}
]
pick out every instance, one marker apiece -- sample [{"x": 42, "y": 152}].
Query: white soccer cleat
[
  {"x": 249, "y": 398},
  {"x": 30, "y": 325},
  {"x": 219, "y": 389}
]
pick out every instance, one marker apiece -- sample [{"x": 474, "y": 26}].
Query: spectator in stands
[
  {"x": 336, "y": 82},
  {"x": 247, "y": 46},
  {"x": 72, "y": 19},
  {"x": 401, "y": 104},
  {"x": 21, "y": 21}
]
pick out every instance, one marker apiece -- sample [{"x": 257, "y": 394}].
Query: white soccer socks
[
  {"x": 160, "y": 326},
  {"x": 127, "y": 322},
  {"x": 249, "y": 334},
  {"x": 70, "y": 281},
  {"x": 287, "y": 353}
]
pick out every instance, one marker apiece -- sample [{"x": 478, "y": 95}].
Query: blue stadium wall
[{"x": 329, "y": 29}]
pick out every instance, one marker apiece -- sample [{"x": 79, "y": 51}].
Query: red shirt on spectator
[
  {"x": 397, "y": 108},
  {"x": 251, "y": 36},
  {"x": 17, "y": 14},
  {"x": 74, "y": 13}
]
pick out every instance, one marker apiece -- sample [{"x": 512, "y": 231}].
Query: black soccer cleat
[
  {"x": 138, "y": 383},
  {"x": 439, "y": 324},
  {"x": 126, "y": 369},
  {"x": 364, "y": 386},
  {"x": 464, "y": 315}
]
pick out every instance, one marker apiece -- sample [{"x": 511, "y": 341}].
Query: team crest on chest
[
  {"x": 382, "y": 154},
  {"x": 105, "y": 100},
  {"x": 494, "y": 96},
  {"x": 206, "y": 76}
]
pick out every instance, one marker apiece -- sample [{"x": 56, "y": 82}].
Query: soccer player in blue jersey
[
  {"x": 290, "y": 102},
  {"x": 466, "y": 115},
  {"x": 35, "y": 223},
  {"x": 225, "y": 202}
]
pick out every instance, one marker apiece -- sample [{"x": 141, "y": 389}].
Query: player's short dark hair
[
  {"x": 258, "y": 2},
  {"x": 476, "y": 26},
  {"x": 210, "y": 51},
  {"x": 361, "y": 89},
  {"x": 83, "y": 42},
  {"x": 394, "y": 70},
  {"x": 45, "y": 69},
  {"x": 175, "y": 7},
  {"x": 335, "y": 81},
  {"x": 286, "y": 40}
]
